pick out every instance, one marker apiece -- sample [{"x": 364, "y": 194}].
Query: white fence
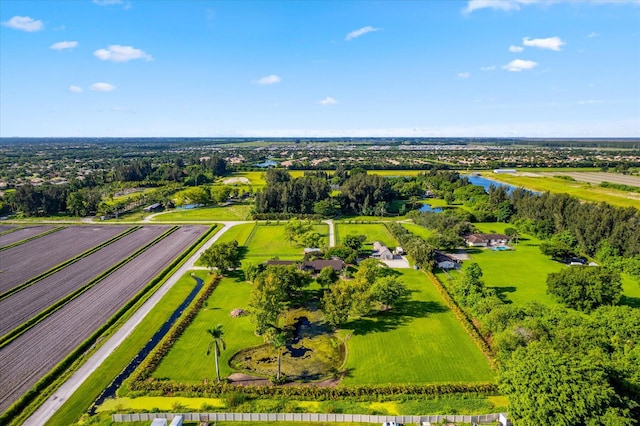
[{"x": 309, "y": 417}]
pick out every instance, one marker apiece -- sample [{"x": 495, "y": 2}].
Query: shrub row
[
  {"x": 284, "y": 216},
  {"x": 149, "y": 365},
  {"x": 466, "y": 322},
  {"x": 316, "y": 393}
]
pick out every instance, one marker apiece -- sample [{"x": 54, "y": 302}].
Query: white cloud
[
  {"x": 489, "y": 68},
  {"x": 360, "y": 32},
  {"x": 520, "y": 65},
  {"x": 328, "y": 101},
  {"x": 61, "y": 45},
  {"x": 464, "y": 74},
  {"x": 102, "y": 87},
  {"x": 269, "y": 79},
  {"x": 551, "y": 43},
  {"x": 507, "y": 5},
  {"x": 516, "y": 49},
  {"x": 75, "y": 89},
  {"x": 118, "y": 53},
  {"x": 592, "y": 35},
  {"x": 24, "y": 23}
]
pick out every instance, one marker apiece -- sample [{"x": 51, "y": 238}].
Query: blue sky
[{"x": 476, "y": 68}]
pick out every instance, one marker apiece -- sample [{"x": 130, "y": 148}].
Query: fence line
[{"x": 311, "y": 417}]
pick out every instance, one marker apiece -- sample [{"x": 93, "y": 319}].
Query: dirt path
[{"x": 59, "y": 397}]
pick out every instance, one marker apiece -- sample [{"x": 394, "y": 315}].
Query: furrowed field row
[
  {"x": 22, "y": 234},
  {"x": 30, "y": 259},
  {"x": 23, "y": 305},
  {"x": 30, "y": 356}
]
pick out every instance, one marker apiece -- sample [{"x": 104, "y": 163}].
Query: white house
[
  {"x": 444, "y": 261},
  {"x": 486, "y": 240},
  {"x": 380, "y": 251}
]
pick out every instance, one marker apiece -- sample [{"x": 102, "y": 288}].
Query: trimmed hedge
[{"x": 149, "y": 365}]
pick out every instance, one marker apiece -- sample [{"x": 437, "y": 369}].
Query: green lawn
[
  {"x": 187, "y": 360},
  {"x": 234, "y": 212},
  {"x": 418, "y": 230},
  {"x": 269, "y": 241},
  {"x": 518, "y": 275},
  {"x": 373, "y": 232},
  {"x": 420, "y": 342},
  {"x": 240, "y": 233},
  {"x": 84, "y": 396}
]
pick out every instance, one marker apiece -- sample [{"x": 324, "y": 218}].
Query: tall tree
[
  {"x": 217, "y": 342},
  {"x": 223, "y": 256},
  {"x": 278, "y": 341},
  {"x": 585, "y": 287}
]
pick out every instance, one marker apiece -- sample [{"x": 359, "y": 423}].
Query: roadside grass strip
[
  {"x": 26, "y": 240},
  {"x": 65, "y": 264},
  {"x": 7, "y": 338},
  {"x": 32, "y": 399}
]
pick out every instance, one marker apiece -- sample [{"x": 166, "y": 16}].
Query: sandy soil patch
[{"x": 233, "y": 180}]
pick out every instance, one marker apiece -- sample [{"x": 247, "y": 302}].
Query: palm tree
[
  {"x": 278, "y": 341},
  {"x": 217, "y": 342}
]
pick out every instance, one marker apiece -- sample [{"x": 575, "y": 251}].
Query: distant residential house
[
  {"x": 276, "y": 262},
  {"x": 308, "y": 250},
  {"x": 315, "y": 266},
  {"x": 153, "y": 208},
  {"x": 380, "y": 251},
  {"x": 504, "y": 171},
  {"x": 444, "y": 261},
  {"x": 311, "y": 266},
  {"x": 486, "y": 240}
]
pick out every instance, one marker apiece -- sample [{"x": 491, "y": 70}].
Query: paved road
[
  {"x": 55, "y": 401},
  {"x": 332, "y": 234}
]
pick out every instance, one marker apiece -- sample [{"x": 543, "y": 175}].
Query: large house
[
  {"x": 311, "y": 266},
  {"x": 486, "y": 240},
  {"x": 380, "y": 251}
]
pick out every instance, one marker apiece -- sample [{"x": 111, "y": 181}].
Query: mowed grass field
[
  {"x": 234, "y": 212},
  {"x": 373, "y": 232},
  {"x": 418, "y": 230},
  {"x": 269, "y": 241},
  {"x": 419, "y": 342},
  {"x": 519, "y": 276},
  {"x": 240, "y": 233},
  {"x": 581, "y": 190},
  {"x": 187, "y": 360}
]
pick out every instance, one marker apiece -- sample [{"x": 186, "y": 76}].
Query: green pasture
[
  {"x": 269, "y": 241},
  {"x": 582, "y": 190},
  {"x": 519, "y": 275},
  {"x": 373, "y": 232},
  {"x": 217, "y": 213},
  {"x": 187, "y": 360},
  {"x": 420, "y": 341},
  {"x": 418, "y": 230},
  {"x": 240, "y": 233},
  {"x": 84, "y": 396}
]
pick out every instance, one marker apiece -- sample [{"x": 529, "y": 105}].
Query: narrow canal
[{"x": 110, "y": 391}]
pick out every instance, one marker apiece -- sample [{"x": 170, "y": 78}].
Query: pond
[
  {"x": 267, "y": 163},
  {"x": 486, "y": 183},
  {"x": 428, "y": 208}
]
